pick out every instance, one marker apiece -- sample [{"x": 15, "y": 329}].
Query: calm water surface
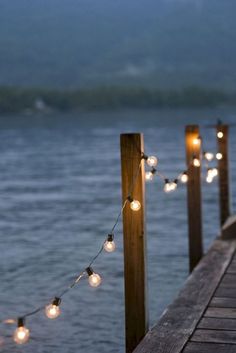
[{"x": 60, "y": 194}]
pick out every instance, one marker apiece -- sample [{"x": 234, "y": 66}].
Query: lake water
[{"x": 60, "y": 194}]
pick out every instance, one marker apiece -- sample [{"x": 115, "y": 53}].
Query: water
[{"x": 60, "y": 194}]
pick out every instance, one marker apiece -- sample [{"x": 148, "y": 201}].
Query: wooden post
[
  {"x": 223, "y": 167},
  {"x": 136, "y": 311},
  {"x": 194, "y": 196}
]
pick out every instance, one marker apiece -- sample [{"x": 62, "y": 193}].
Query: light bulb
[
  {"x": 135, "y": 205},
  {"x": 170, "y": 186},
  {"x": 109, "y": 244},
  {"x": 152, "y": 161},
  {"x": 184, "y": 178},
  {"x": 196, "y": 162},
  {"x": 220, "y": 134},
  {"x": 21, "y": 334},
  {"x": 53, "y": 310},
  {"x": 219, "y": 156},
  {"x": 197, "y": 141},
  {"x": 214, "y": 172},
  {"x": 149, "y": 176},
  {"x": 209, "y": 156},
  {"x": 94, "y": 278},
  {"x": 209, "y": 179}
]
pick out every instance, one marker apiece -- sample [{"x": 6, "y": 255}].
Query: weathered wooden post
[
  {"x": 136, "y": 309},
  {"x": 223, "y": 167},
  {"x": 193, "y": 156}
]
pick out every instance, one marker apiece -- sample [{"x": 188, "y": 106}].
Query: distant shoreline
[{"x": 31, "y": 100}]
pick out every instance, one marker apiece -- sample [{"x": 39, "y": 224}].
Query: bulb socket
[
  {"x": 56, "y": 301},
  {"x": 89, "y": 271},
  {"x": 110, "y": 237},
  {"x": 167, "y": 181},
  {"x": 20, "y": 322},
  {"x": 153, "y": 170},
  {"x": 144, "y": 156},
  {"x": 130, "y": 199},
  {"x": 176, "y": 181}
]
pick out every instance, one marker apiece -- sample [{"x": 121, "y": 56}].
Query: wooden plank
[
  {"x": 229, "y": 281},
  {"x": 136, "y": 310},
  {"x": 179, "y": 321},
  {"x": 225, "y": 292},
  {"x": 194, "y": 196},
  {"x": 220, "y": 302},
  {"x": 223, "y": 166},
  {"x": 209, "y": 348},
  {"x": 227, "y": 313},
  {"x": 214, "y": 336},
  {"x": 217, "y": 324}
]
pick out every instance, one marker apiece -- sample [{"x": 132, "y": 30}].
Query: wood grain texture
[
  {"x": 217, "y": 324},
  {"x": 223, "y": 166},
  {"x": 227, "y": 313},
  {"x": 180, "y": 319},
  {"x": 209, "y": 348},
  {"x": 225, "y": 292},
  {"x": 194, "y": 197},
  {"x": 220, "y": 302},
  {"x": 136, "y": 310},
  {"x": 214, "y": 336}
]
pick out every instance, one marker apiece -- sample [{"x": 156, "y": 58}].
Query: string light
[
  {"x": 135, "y": 205},
  {"x": 197, "y": 141},
  {"x": 214, "y": 172},
  {"x": 196, "y": 162},
  {"x": 220, "y": 134},
  {"x": 21, "y": 334},
  {"x": 209, "y": 179},
  {"x": 93, "y": 278},
  {"x": 184, "y": 177},
  {"x": 149, "y": 175},
  {"x": 150, "y": 160},
  {"x": 211, "y": 174},
  {"x": 170, "y": 185},
  {"x": 208, "y": 156},
  {"x": 53, "y": 310},
  {"x": 219, "y": 156},
  {"x": 109, "y": 244}
]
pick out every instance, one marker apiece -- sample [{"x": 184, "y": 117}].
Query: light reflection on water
[{"x": 60, "y": 194}]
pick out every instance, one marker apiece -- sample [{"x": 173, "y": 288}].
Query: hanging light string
[
  {"x": 171, "y": 184},
  {"x": 52, "y": 310}
]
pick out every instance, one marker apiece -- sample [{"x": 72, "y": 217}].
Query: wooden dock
[{"x": 203, "y": 317}]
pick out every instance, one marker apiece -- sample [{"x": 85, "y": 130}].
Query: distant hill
[{"x": 81, "y": 43}]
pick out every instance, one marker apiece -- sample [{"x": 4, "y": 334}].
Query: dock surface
[{"x": 203, "y": 317}]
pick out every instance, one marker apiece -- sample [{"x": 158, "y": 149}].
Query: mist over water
[{"x": 60, "y": 194}]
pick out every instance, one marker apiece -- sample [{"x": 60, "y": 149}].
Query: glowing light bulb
[
  {"x": 94, "y": 278},
  {"x": 209, "y": 179},
  {"x": 184, "y": 178},
  {"x": 149, "y": 176},
  {"x": 209, "y": 156},
  {"x": 53, "y": 310},
  {"x": 197, "y": 141},
  {"x": 21, "y": 334},
  {"x": 152, "y": 161},
  {"x": 220, "y": 134},
  {"x": 214, "y": 172},
  {"x": 170, "y": 186},
  {"x": 219, "y": 156},
  {"x": 109, "y": 244},
  {"x": 196, "y": 162},
  {"x": 135, "y": 205}
]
